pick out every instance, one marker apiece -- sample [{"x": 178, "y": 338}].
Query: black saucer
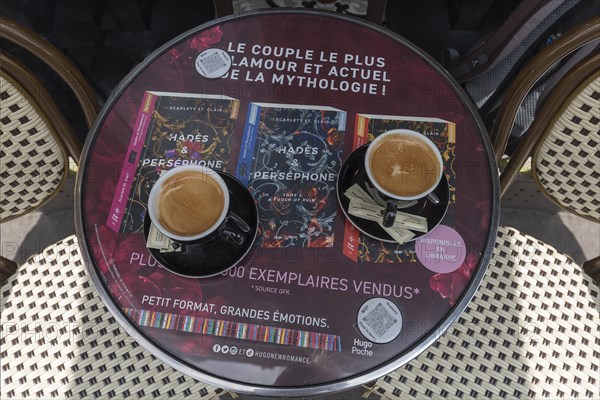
[
  {"x": 352, "y": 172},
  {"x": 204, "y": 259}
]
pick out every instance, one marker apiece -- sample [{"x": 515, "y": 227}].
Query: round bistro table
[{"x": 279, "y": 99}]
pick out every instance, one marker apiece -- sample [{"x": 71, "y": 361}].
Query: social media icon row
[{"x": 217, "y": 348}]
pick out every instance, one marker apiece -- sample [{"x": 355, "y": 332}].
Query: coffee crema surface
[
  {"x": 404, "y": 165},
  {"x": 190, "y": 203}
]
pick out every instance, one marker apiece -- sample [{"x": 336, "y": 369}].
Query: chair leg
[
  {"x": 592, "y": 268},
  {"x": 7, "y": 268}
]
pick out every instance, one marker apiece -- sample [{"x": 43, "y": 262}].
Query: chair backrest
[
  {"x": 563, "y": 140},
  {"x": 35, "y": 44},
  {"x": 536, "y": 69},
  {"x": 375, "y": 9},
  {"x": 36, "y": 138},
  {"x": 34, "y": 158},
  {"x": 566, "y": 157},
  {"x": 564, "y": 137}
]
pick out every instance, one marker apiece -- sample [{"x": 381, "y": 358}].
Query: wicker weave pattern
[
  {"x": 530, "y": 332},
  {"x": 32, "y": 161},
  {"x": 568, "y": 162},
  {"x": 59, "y": 340}
]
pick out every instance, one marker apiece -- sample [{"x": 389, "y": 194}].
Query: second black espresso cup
[{"x": 402, "y": 166}]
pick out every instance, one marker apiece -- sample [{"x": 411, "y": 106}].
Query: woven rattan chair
[
  {"x": 59, "y": 340},
  {"x": 532, "y": 330},
  {"x": 563, "y": 139},
  {"x": 34, "y": 159},
  {"x": 35, "y": 138},
  {"x": 566, "y": 158}
]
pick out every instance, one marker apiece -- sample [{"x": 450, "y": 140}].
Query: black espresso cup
[
  {"x": 403, "y": 167},
  {"x": 190, "y": 204}
]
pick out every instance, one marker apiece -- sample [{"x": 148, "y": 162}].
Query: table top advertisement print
[
  {"x": 171, "y": 129},
  {"x": 289, "y": 160},
  {"x": 296, "y": 316}
]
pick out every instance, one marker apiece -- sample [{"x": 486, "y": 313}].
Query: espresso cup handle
[
  {"x": 239, "y": 222},
  {"x": 235, "y": 229},
  {"x": 389, "y": 215},
  {"x": 232, "y": 237},
  {"x": 433, "y": 198}
]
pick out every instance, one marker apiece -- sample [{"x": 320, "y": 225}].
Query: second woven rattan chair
[
  {"x": 564, "y": 138},
  {"x": 35, "y": 138},
  {"x": 59, "y": 340},
  {"x": 531, "y": 330},
  {"x": 34, "y": 157},
  {"x": 35, "y": 161}
]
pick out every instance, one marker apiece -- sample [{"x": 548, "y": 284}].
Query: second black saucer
[
  {"x": 205, "y": 259},
  {"x": 352, "y": 171}
]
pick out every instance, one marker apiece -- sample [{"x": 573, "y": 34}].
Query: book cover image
[
  {"x": 171, "y": 129},
  {"x": 360, "y": 247},
  {"x": 289, "y": 159}
]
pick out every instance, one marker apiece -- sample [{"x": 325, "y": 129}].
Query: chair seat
[
  {"x": 531, "y": 331},
  {"x": 58, "y": 339}
]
